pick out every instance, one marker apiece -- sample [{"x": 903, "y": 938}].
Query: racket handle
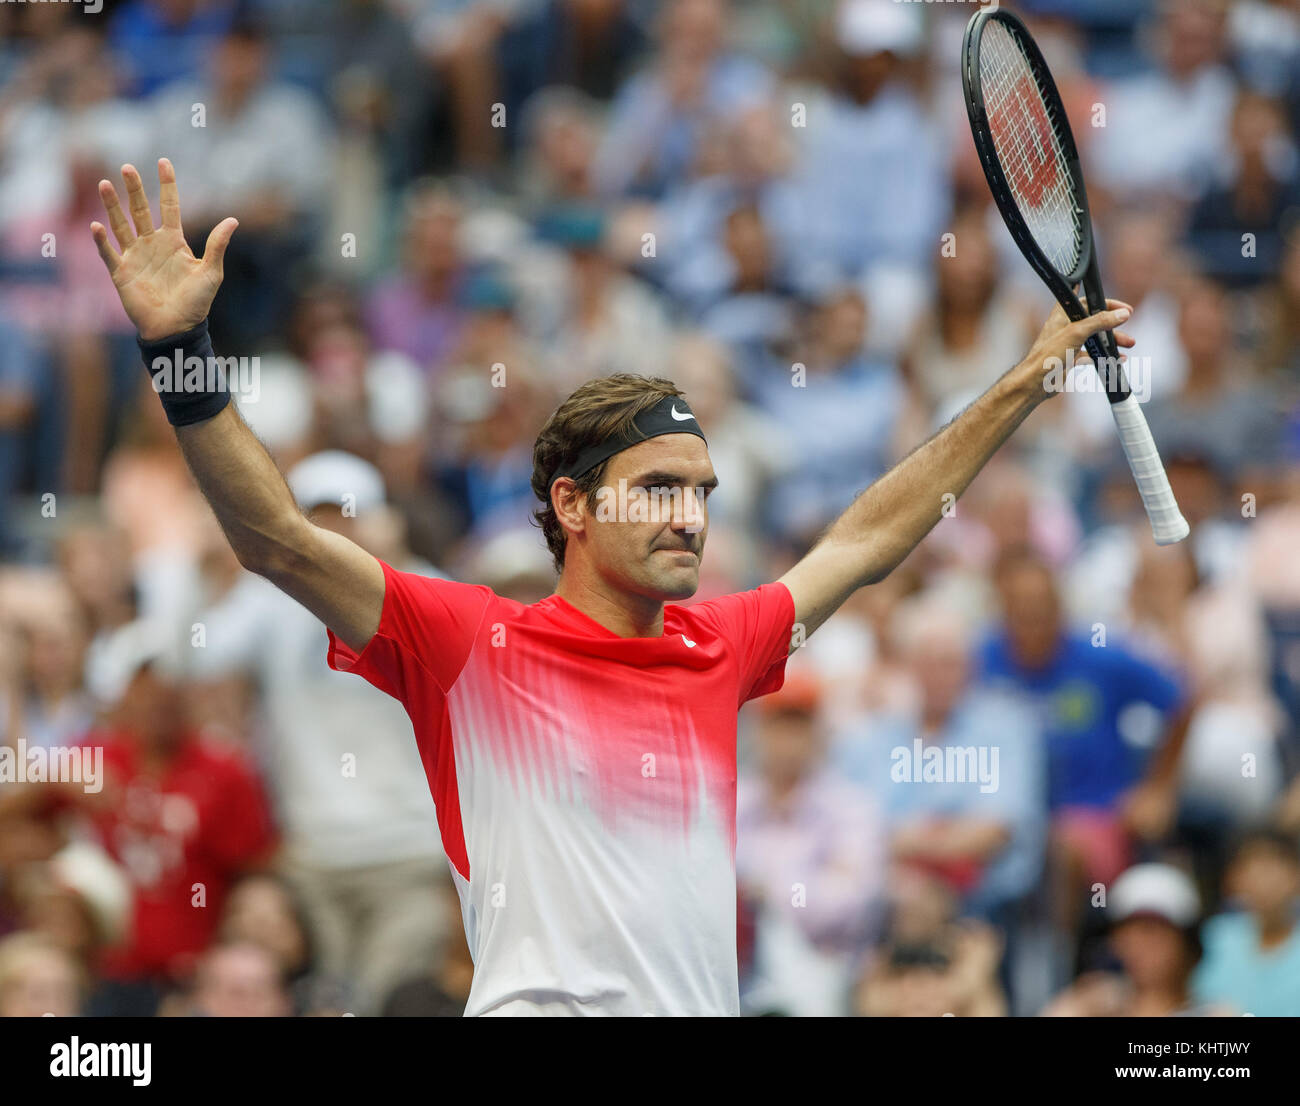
[{"x": 1167, "y": 522}]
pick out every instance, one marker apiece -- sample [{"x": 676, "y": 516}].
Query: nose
[{"x": 688, "y": 512}]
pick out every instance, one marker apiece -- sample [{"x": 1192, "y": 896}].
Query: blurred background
[{"x": 451, "y": 213}]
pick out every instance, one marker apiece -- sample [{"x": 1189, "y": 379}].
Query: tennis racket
[{"x": 1032, "y": 165}]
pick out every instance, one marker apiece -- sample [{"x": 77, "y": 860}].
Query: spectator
[
  {"x": 1111, "y": 768},
  {"x": 360, "y": 832},
  {"x": 1153, "y": 911},
  {"x": 239, "y": 979},
  {"x": 418, "y": 311},
  {"x": 444, "y": 992},
  {"x": 1237, "y": 227},
  {"x": 661, "y": 119},
  {"x": 181, "y": 816},
  {"x": 1252, "y": 954},
  {"x": 37, "y": 977},
  {"x": 167, "y": 40},
  {"x": 871, "y": 170},
  {"x": 599, "y": 319},
  {"x": 961, "y": 778},
  {"x": 931, "y": 964},
  {"x": 258, "y": 151},
  {"x": 1166, "y": 127},
  {"x": 1244, "y": 435},
  {"x": 807, "y": 858},
  {"x": 839, "y": 407}
]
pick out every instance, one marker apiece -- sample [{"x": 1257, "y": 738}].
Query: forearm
[
  {"x": 943, "y": 840},
  {"x": 336, "y": 580},
  {"x": 248, "y": 495},
  {"x": 887, "y": 521},
  {"x": 1164, "y": 765}
]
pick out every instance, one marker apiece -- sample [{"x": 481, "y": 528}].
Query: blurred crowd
[{"x": 1044, "y": 767}]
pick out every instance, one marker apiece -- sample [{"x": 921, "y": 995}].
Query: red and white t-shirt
[{"x": 585, "y": 786}]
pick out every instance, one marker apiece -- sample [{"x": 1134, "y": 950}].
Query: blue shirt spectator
[
  {"x": 1235, "y": 970},
  {"x": 1084, "y": 697},
  {"x": 160, "y": 42}
]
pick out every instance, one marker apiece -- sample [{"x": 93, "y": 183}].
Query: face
[
  {"x": 259, "y": 911},
  {"x": 788, "y": 746},
  {"x": 1265, "y": 881},
  {"x": 645, "y": 534},
  {"x": 241, "y": 981},
  {"x": 1032, "y": 610},
  {"x": 46, "y": 983},
  {"x": 1152, "y": 951},
  {"x": 1203, "y": 325},
  {"x": 941, "y": 668},
  {"x": 240, "y": 63},
  {"x": 152, "y": 708}
]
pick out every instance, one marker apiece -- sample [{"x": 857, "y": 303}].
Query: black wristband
[{"x": 188, "y": 377}]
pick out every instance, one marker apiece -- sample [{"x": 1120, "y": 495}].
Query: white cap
[
  {"x": 129, "y": 649},
  {"x": 338, "y": 478},
  {"x": 512, "y": 555},
  {"x": 874, "y": 26},
  {"x": 1155, "y": 889}
]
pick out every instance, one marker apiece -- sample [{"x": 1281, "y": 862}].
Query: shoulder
[
  {"x": 1227, "y": 931},
  {"x": 772, "y": 599}
]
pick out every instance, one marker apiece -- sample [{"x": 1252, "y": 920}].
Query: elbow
[{"x": 275, "y": 557}]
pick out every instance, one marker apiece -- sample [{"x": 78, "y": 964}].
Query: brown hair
[{"x": 594, "y": 412}]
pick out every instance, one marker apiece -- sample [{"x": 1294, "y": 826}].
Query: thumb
[{"x": 214, "y": 252}]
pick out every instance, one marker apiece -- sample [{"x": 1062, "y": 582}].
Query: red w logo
[{"x": 1022, "y": 134}]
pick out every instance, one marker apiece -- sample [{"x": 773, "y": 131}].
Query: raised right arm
[{"x": 167, "y": 291}]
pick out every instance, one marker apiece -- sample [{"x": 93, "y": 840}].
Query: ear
[{"x": 570, "y": 505}]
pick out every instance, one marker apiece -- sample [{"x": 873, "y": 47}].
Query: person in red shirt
[
  {"x": 581, "y": 750},
  {"x": 182, "y": 815}
]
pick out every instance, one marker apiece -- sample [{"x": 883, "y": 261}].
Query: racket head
[{"x": 1027, "y": 151}]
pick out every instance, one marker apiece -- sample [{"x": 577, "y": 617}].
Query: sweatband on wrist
[{"x": 188, "y": 377}]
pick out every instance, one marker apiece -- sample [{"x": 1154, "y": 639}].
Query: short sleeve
[
  {"x": 426, "y": 632},
  {"x": 1144, "y": 682},
  {"x": 758, "y": 625}
]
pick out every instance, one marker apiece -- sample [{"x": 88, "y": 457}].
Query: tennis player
[{"x": 581, "y": 751}]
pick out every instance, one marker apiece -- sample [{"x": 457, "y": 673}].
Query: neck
[
  {"x": 1159, "y": 1000},
  {"x": 619, "y": 612},
  {"x": 1275, "y": 929}
]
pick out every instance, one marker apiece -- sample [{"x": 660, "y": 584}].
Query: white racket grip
[{"x": 1167, "y": 522}]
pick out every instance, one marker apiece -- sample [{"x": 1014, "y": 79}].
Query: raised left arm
[{"x": 888, "y": 520}]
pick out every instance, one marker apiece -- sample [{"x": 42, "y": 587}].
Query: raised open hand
[{"x": 164, "y": 287}]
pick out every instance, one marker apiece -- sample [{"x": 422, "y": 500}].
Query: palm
[{"x": 164, "y": 288}]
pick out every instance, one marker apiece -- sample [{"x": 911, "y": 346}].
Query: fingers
[
  {"x": 116, "y": 219},
  {"x": 110, "y": 256},
  {"x": 214, "y": 252},
  {"x": 137, "y": 201},
  {"x": 1103, "y": 320},
  {"x": 170, "y": 197}
]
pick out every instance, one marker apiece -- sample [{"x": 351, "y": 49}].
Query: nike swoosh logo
[
  {"x": 688, "y": 417},
  {"x": 689, "y": 643}
]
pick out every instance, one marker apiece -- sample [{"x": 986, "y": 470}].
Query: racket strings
[{"x": 1027, "y": 138}]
